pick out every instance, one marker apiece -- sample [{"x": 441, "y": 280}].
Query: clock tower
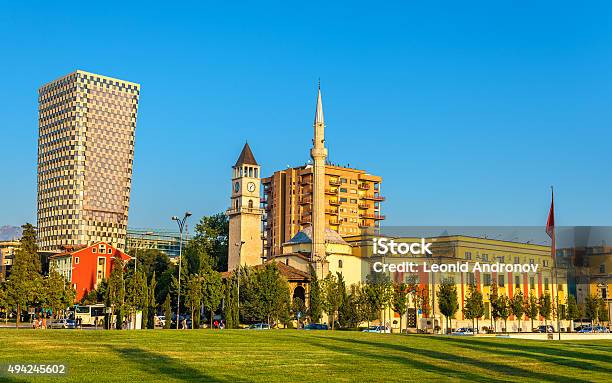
[{"x": 245, "y": 245}]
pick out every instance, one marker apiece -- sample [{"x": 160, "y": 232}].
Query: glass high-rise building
[{"x": 85, "y": 155}]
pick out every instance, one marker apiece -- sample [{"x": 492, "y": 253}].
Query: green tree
[
  {"x": 517, "y": 306},
  {"x": 572, "y": 312},
  {"x": 25, "y": 275},
  {"x": 474, "y": 305},
  {"x": 264, "y": 294},
  {"x": 422, "y": 301},
  {"x": 193, "y": 295},
  {"x": 545, "y": 307},
  {"x": 503, "y": 304},
  {"x": 531, "y": 308},
  {"x": 136, "y": 295},
  {"x": 210, "y": 244},
  {"x": 602, "y": 313},
  {"x": 115, "y": 293},
  {"x": 167, "y": 312},
  {"x": 55, "y": 286},
  {"x": 212, "y": 290},
  {"x": 447, "y": 300},
  {"x": 494, "y": 301},
  {"x": 332, "y": 297},
  {"x": 315, "y": 309},
  {"x": 151, "y": 302},
  {"x": 400, "y": 300},
  {"x": 298, "y": 308},
  {"x": 591, "y": 307}
]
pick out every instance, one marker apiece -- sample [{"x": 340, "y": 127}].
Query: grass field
[{"x": 292, "y": 355}]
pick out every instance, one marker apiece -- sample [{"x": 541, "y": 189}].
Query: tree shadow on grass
[
  {"x": 407, "y": 360},
  {"x": 480, "y": 363},
  {"x": 527, "y": 352},
  {"x": 161, "y": 366},
  {"x": 542, "y": 349}
]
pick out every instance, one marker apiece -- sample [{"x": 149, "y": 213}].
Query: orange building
[{"x": 86, "y": 267}]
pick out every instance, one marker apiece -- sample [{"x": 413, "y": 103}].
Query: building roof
[
  {"x": 305, "y": 236},
  {"x": 319, "y": 111},
  {"x": 246, "y": 156},
  {"x": 71, "y": 250}
]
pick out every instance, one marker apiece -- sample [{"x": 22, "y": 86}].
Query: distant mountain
[{"x": 9, "y": 232}]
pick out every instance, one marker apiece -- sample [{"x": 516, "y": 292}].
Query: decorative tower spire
[{"x": 319, "y": 156}]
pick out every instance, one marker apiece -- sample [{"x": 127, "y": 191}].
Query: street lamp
[{"x": 181, "y": 225}]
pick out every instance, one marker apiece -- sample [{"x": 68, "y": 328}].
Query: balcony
[
  {"x": 334, "y": 182},
  {"x": 332, "y": 191},
  {"x": 334, "y": 222},
  {"x": 364, "y": 186},
  {"x": 365, "y": 226},
  {"x": 374, "y": 197},
  {"x": 306, "y": 219},
  {"x": 334, "y": 202},
  {"x": 305, "y": 201},
  {"x": 306, "y": 181},
  {"x": 364, "y": 206},
  {"x": 372, "y": 216},
  {"x": 331, "y": 211}
]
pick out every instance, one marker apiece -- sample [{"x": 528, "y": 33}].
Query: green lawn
[{"x": 292, "y": 355}]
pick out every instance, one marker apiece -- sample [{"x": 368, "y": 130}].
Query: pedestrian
[
  {"x": 44, "y": 322},
  {"x": 184, "y": 324},
  {"x": 222, "y": 325}
]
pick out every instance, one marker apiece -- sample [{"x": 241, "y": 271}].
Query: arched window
[
  {"x": 339, "y": 263},
  {"x": 250, "y": 204},
  {"x": 236, "y": 204}
]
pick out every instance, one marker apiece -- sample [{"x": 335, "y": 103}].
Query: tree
[
  {"x": 231, "y": 302},
  {"x": 591, "y": 307},
  {"x": 531, "y": 308},
  {"x": 25, "y": 274},
  {"x": 264, "y": 294},
  {"x": 193, "y": 297},
  {"x": 447, "y": 300},
  {"x": 494, "y": 300},
  {"x": 573, "y": 312},
  {"x": 400, "y": 300},
  {"x": 136, "y": 295},
  {"x": 332, "y": 297},
  {"x": 422, "y": 301},
  {"x": 167, "y": 312},
  {"x": 474, "y": 305},
  {"x": 315, "y": 309},
  {"x": 212, "y": 290},
  {"x": 55, "y": 286},
  {"x": 503, "y": 304},
  {"x": 144, "y": 303},
  {"x": 545, "y": 307},
  {"x": 210, "y": 244},
  {"x": 517, "y": 306},
  {"x": 115, "y": 298},
  {"x": 152, "y": 303}
]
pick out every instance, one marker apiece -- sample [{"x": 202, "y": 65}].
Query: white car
[
  {"x": 463, "y": 331},
  {"x": 378, "y": 329},
  {"x": 160, "y": 320}
]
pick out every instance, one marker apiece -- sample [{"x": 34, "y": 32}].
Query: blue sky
[{"x": 469, "y": 111}]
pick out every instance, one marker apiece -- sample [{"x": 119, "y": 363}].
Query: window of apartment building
[
  {"x": 485, "y": 257},
  {"x": 468, "y": 255},
  {"x": 339, "y": 263},
  {"x": 343, "y": 190},
  {"x": 76, "y": 260},
  {"x": 343, "y": 180},
  {"x": 501, "y": 280},
  {"x": 531, "y": 261},
  {"x": 545, "y": 283},
  {"x": 486, "y": 279},
  {"x": 602, "y": 268},
  {"x": 531, "y": 283},
  {"x": 110, "y": 251},
  {"x": 517, "y": 281},
  {"x": 353, "y": 182},
  {"x": 501, "y": 259},
  {"x": 343, "y": 199},
  {"x": 545, "y": 263},
  {"x": 353, "y": 200},
  {"x": 517, "y": 260},
  {"x": 94, "y": 250},
  {"x": 353, "y": 191},
  {"x": 101, "y": 261}
]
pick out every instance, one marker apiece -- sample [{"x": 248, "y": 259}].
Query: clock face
[
  {"x": 237, "y": 187},
  {"x": 251, "y": 186}
]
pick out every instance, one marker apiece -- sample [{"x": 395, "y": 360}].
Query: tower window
[
  {"x": 256, "y": 175},
  {"x": 339, "y": 263},
  {"x": 250, "y": 204}
]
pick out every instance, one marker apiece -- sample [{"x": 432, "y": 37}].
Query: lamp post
[{"x": 181, "y": 225}]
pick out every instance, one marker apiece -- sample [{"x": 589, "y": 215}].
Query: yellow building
[
  {"x": 7, "y": 253},
  {"x": 353, "y": 202}
]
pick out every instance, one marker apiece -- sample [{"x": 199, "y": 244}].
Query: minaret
[{"x": 319, "y": 155}]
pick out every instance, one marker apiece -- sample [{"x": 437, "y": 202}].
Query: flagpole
[{"x": 554, "y": 256}]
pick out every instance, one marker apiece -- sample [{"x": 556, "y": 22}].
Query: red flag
[{"x": 550, "y": 224}]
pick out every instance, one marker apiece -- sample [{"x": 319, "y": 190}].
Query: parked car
[
  {"x": 259, "y": 326},
  {"x": 594, "y": 329},
  {"x": 463, "y": 331},
  {"x": 159, "y": 320},
  {"x": 543, "y": 329},
  {"x": 316, "y": 326},
  {"x": 378, "y": 329},
  {"x": 62, "y": 323}
]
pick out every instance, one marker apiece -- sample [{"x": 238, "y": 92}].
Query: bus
[{"x": 89, "y": 313}]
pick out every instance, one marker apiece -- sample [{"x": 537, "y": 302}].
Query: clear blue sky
[{"x": 469, "y": 112}]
